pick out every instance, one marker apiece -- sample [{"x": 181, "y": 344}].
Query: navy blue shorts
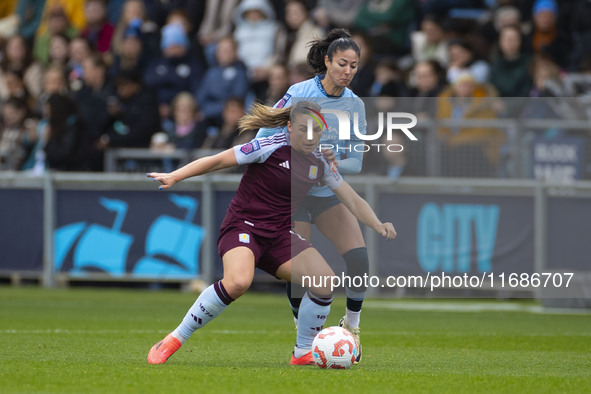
[
  {"x": 313, "y": 206},
  {"x": 269, "y": 253}
]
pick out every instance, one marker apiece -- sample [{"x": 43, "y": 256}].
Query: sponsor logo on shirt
[
  {"x": 250, "y": 147},
  {"x": 244, "y": 238}
]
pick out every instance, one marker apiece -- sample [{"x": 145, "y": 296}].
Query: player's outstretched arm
[
  {"x": 362, "y": 211},
  {"x": 198, "y": 167}
]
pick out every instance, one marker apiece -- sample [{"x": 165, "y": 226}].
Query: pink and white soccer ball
[{"x": 334, "y": 348}]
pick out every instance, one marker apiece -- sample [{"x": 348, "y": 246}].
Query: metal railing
[{"x": 432, "y": 156}]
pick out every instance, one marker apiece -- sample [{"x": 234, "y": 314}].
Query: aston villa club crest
[{"x": 313, "y": 174}]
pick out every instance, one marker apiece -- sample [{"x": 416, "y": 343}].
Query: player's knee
[
  {"x": 237, "y": 286},
  {"x": 323, "y": 292},
  {"x": 356, "y": 261},
  {"x": 323, "y": 282}
]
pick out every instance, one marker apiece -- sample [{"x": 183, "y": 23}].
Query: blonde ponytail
[{"x": 263, "y": 116}]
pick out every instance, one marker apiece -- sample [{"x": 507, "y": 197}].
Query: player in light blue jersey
[{"x": 335, "y": 60}]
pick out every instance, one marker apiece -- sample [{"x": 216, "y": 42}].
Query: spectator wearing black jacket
[
  {"x": 548, "y": 39},
  {"x": 135, "y": 114},
  {"x": 581, "y": 29},
  {"x": 93, "y": 99},
  {"x": 64, "y": 135}
]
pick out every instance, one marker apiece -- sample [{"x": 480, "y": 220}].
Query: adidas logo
[{"x": 285, "y": 164}]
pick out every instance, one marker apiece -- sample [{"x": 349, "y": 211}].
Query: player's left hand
[
  {"x": 166, "y": 179},
  {"x": 387, "y": 230},
  {"x": 330, "y": 156}
]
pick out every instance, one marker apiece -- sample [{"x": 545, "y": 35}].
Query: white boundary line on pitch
[
  {"x": 123, "y": 332},
  {"x": 471, "y": 307},
  {"x": 278, "y": 332}
]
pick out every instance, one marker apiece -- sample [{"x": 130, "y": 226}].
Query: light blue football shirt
[{"x": 349, "y": 159}]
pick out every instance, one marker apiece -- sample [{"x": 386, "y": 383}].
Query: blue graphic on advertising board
[
  {"x": 171, "y": 246},
  {"x": 172, "y": 240},
  {"x": 457, "y": 234},
  {"x": 450, "y": 235}
]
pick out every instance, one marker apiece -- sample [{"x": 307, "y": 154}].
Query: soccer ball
[{"x": 334, "y": 348}]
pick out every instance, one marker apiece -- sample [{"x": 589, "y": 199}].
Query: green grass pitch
[{"x": 97, "y": 340}]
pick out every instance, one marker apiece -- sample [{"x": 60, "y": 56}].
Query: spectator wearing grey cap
[{"x": 176, "y": 70}]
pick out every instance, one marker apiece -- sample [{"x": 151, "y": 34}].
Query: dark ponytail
[{"x": 336, "y": 40}]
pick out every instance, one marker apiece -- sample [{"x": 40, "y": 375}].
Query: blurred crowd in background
[{"x": 78, "y": 77}]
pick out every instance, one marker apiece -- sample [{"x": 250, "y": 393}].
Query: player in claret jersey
[{"x": 257, "y": 229}]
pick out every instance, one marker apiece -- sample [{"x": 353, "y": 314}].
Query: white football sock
[
  {"x": 209, "y": 305},
  {"x": 297, "y": 352},
  {"x": 311, "y": 318},
  {"x": 353, "y": 318}
]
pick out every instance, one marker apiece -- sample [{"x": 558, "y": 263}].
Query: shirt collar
[{"x": 318, "y": 78}]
